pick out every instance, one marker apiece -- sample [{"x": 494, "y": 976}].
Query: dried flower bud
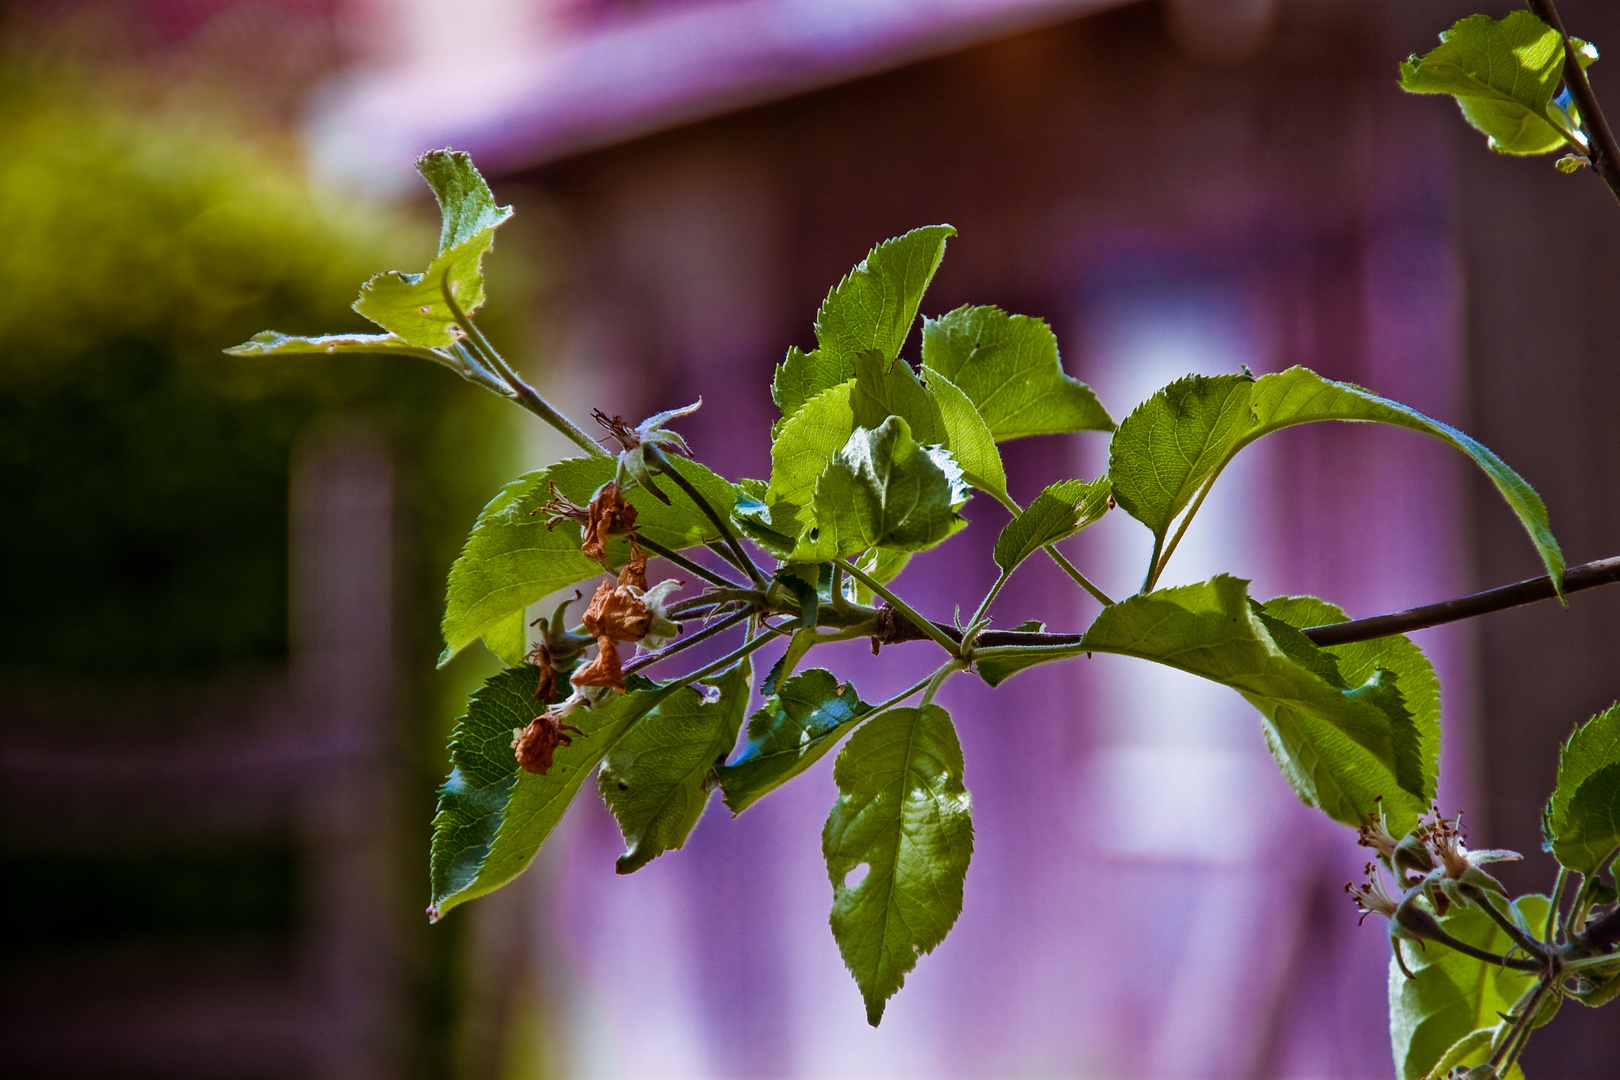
[
  {"x": 536, "y": 745},
  {"x": 609, "y": 515},
  {"x": 604, "y": 670}
]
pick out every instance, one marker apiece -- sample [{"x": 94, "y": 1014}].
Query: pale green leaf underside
[
  {"x": 1504, "y": 75},
  {"x": 1061, "y": 510},
  {"x": 511, "y": 559},
  {"x": 1342, "y": 745},
  {"x": 883, "y": 489},
  {"x": 1582, "y": 821},
  {"x": 656, "y": 779},
  {"x": 1008, "y": 366},
  {"x": 793, "y": 730},
  {"x": 413, "y": 306},
  {"x": 270, "y": 343},
  {"x": 492, "y": 816},
  {"x": 903, "y": 811},
  {"x": 871, "y": 310},
  {"x": 1182, "y": 437},
  {"x": 1453, "y": 995}
]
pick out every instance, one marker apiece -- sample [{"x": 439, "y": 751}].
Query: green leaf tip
[
  {"x": 1504, "y": 75},
  {"x": 1581, "y": 824},
  {"x": 870, "y": 311},
  {"x": 415, "y": 306},
  {"x": 903, "y": 812}
]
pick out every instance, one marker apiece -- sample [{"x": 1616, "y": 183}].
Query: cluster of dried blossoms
[
  {"x": 622, "y": 611},
  {"x": 1433, "y": 863}
]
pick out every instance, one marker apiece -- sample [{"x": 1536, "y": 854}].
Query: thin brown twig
[{"x": 1604, "y": 153}]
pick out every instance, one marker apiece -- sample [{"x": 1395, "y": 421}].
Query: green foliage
[
  {"x": 1582, "y": 820},
  {"x": 492, "y": 817},
  {"x": 884, "y": 490},
  {"x": 1008, "y": 367},
  {"x": 513, "y": 557},
  {"x": 1342, "y": 745},
  {"x": 1454, "y": 996},
  {"x": 1504, "y": 74},
  {"x": 870, "y": 311},
  {"x": 1060, "y": 511},
  {"x": 414, "y": 306},
  {"x": 657, "y": 779},
  {"x": 903, "y": 812},
  {"x": 871, "y": 462},
  {"x": 1177, "y": 442},
  {"x": 797, "y": 725}
]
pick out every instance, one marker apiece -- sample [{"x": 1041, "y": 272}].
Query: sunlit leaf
[
  {"x": 413, "y": 306},
  {"x": 1062, "y": 510},
  {"x": 1008, "y": 366},
  {"x": 871, "y": 310},
  {"x": 968, "y": 437},
  {"x": 1504, "y": 74}
]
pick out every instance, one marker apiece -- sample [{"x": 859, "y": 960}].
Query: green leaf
[
  {"x": 1182, "y": 437},
  {"x": 1062, "y": 510},
  {"x": 270, "y": 343},
  {"x": 795, "y": 727},
  {"x": 1582, "y": 821},
  {"x": 1504, "y": 75},
  {"x": 1008, "y": 366},
  {"x": 511, "y": 559},
  {"x": 492, "y": 816},
  {"x": 800, "y": 452},
  {"x": 1454, "y": 995},
  {"x": 871, "y": 310},
  {"x": 903, "y": 811},
  {"x": 968, "y": 437},
  {"x": 509, "y": 638},
  {"x": 1359, "y": 661},
  {"x": 413, "y": 305},
  {"x": 885, "y": 387},
  {"x": 884, "y": 490},
  {"x": 656, "y": 779},
  {"x": 1342, "y": 745}
]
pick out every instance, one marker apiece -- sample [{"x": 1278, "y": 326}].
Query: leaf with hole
[{"x": 904, "y": 813}]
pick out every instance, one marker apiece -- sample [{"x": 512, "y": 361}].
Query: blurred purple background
[{"x": 1186, "y": 186}]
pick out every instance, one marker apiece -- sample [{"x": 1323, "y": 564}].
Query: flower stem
[
  {"x": 739, "y": 557},
  {"x": 688, "y": 565},
  {"x": 647, "y": 659}
]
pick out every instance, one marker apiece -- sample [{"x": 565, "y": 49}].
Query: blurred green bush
[{"x": 143, "y": 475}]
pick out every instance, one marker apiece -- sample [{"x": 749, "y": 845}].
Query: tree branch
[
  {"x": 1587, "y": 576},
  {"x": 1603, "y": 152}
]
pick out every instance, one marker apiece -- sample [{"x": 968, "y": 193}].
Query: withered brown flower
[
  {"x": 536, "y": 745},
  {"x": 609, "y": 513},
  {"x": 618, "y": 610},
  {"x": 604, "y": 670}
]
